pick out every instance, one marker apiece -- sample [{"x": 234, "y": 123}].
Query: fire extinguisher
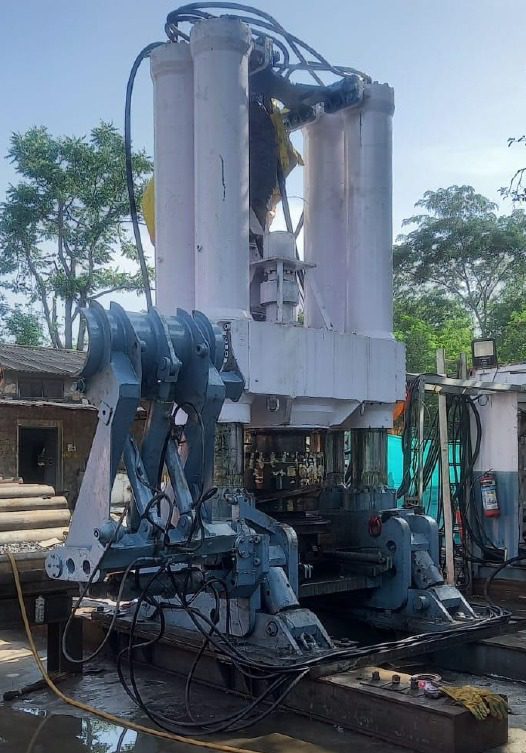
[{"x": 488, "y": 490}]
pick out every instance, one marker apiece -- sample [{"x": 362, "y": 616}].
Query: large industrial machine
[{"x": 245, "y": 503}]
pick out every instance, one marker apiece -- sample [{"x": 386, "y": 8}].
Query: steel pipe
[
  {"x": 173, "y": 96},
  {"x": 220, "y": 48},
  {"x": 368, "y": 145}
]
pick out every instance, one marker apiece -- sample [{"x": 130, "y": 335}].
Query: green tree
[
  {"x": 463, "y": 249},
  {"x": 516, "y": 190},
  {"x": 427, "y": 322},
  {"x": 63, "y": 224},
  {"x": 24, "y": 327},
  {"x": 511, "y": 345}
]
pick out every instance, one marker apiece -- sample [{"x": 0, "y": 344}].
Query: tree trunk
[
  {"x": 81, "y": 337},
  {"x": 54, "y": 326},
  {"x": 68, "y": 323}
]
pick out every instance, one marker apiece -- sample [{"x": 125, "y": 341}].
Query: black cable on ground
[
  {"x": 489, "y": 580},
  {"x": 235, "y": 721}
]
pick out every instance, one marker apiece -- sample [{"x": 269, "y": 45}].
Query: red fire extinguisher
[{"x": 488, "y": 490}]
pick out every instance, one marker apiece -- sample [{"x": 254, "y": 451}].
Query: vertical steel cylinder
[
  {"x": 220, "y": 48},
  {"x": 229, "y": 455},
  {"x": 171, "y": 70},
  {"x": 325, "y": 222},
  {"x": 368, "y": 145},
  {"x": 368, "y": 458},
  {"x": 335, "y": 457}
]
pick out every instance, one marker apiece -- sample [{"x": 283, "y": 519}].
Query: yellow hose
[{"x": 98, "y": 712}]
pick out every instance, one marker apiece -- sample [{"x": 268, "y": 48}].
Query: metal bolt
[
  {"x": 257, "y": 561},
  {"x": 54, "y": 565},
  {"x": 272, "y": 629},
  {"x": 395, "y": 679},
  {"x": 414, "y": 683},
  {"x": 375, "y": 676},
  {"x": 421, "y": 603}
]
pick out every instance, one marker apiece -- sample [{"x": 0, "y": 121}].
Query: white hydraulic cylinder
[
  {"x": 325, "y": 223},
  {"x": 220, "y": 48},
  {"x": 171, "y": 70},
  {"x": 368, "y": 146}
]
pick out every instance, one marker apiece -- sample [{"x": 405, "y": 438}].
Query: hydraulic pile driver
[{"x": 243, "y": 502}]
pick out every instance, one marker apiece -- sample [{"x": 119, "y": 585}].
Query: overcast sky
[{"x": 457, "y": 67}]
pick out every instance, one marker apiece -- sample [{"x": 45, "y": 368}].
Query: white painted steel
[
  {"x": 368, "y": 146},
  {"x": 279, "y": 291},
  {"x": 325, "y": 374},
  {"x": 373, "y": 415},
  {"x": 220, "y": 48},
  {"x": 499, "y": 449},
  {"x": 325, "y": 222},
  {"x": 172, "y": 75}
]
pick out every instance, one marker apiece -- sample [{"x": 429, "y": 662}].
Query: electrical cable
[
  {"x": 465, "y": 431},
  {"x": 161, "y": 734},
  {"x": 96, "y": 652},
  {"x": 235, "y": 721},
  {"x": 254, "y": 17},
  {"x": 85, "y": 590},
  {"x": 143, "y": 54},
  {"x": 489, "y": 580},
  {"x": 295, "y": 668}
]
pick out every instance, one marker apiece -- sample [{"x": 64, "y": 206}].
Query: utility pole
[{"x": 444, "y": 466}]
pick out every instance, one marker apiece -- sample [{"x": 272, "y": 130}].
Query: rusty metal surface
[{"x": 392, "y": 713}]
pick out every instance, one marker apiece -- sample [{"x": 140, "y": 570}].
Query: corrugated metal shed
[{"x": 32, "y": 360}]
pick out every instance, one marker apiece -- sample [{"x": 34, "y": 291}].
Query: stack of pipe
[{"x": 31, "y": 512}]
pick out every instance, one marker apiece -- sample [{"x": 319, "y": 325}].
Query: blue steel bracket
[
  {"x": 283, "y": 540},
  {"x": 413, "y": 595},
  {"x": 162, "y": 360}
]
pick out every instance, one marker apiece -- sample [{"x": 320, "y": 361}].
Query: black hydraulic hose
[
  {"x": 143, "y": 54},
  {"x": 489, "y": 580}
]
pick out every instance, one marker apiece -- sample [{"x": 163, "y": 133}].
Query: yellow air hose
[{"x": 98, "y": 712}]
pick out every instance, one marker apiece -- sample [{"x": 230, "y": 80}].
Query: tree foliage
[
  {"x": 516, "y": 190},
  {"x": 23, "y": 327},
  {"x": 427, "y": 322},
  {"x": 463, "y": 249},
  {"x": 63, "y": 224}
]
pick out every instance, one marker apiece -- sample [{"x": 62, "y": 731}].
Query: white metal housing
[
  {"x": 173, "y": 91},
  {"x": 368, "y": 146},
  {"x": 325, "y": 227},
  {"x": 220, "y": 49},
  {"x": 343, "y": 369}
]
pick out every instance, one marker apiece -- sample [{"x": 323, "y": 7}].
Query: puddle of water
[{"x": 30, "y": 732}]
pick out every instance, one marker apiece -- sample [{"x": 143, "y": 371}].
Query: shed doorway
[{"x": 38, "y": 454}]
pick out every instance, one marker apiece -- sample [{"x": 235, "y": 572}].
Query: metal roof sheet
[{"x": 33, "y": 360}]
